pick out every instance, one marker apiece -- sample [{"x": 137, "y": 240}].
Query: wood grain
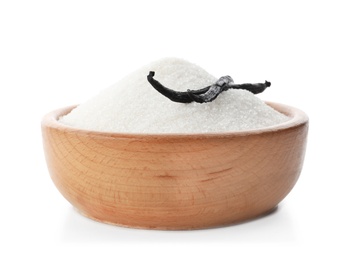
[{"x": 175, "y": 181}]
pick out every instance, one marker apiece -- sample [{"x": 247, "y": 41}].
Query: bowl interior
[{"x": 295, "y": 115}]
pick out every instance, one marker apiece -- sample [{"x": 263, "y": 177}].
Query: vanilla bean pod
[
  {"x": 253, "y": 88},
  {"x": 176, "y": 96},
  {"x": 207, "y": 94},
  {"x": 211, "y": 92}
]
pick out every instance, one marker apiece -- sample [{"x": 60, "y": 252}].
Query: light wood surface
[{"x": 175, "y": 181}]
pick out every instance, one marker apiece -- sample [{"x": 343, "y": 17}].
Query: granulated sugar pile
[{"x": 133, "y": 106}]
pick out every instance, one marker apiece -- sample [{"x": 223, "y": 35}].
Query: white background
[{"x": 59, "y": 53}]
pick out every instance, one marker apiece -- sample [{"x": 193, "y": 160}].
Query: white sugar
[{"x": 133, "y": 106}]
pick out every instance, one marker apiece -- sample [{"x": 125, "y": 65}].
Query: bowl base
[{"x": 176, "y": 228}]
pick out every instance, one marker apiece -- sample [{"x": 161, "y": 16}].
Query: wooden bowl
[{"x": 175, "y": 181}]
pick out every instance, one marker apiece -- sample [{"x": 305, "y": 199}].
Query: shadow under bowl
[{"x": 175, "y": 181}]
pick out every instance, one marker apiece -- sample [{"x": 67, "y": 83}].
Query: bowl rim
[{"x": 297, "y": 118}]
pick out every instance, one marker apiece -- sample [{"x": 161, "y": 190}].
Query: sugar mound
[{"x": 133, "y": 106}]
